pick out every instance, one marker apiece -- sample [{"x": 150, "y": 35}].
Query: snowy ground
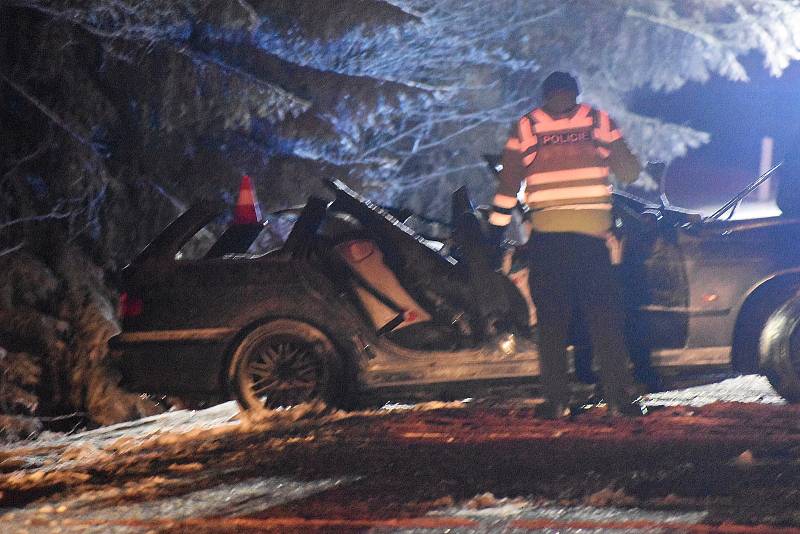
[{"x": 728, "y": 454}]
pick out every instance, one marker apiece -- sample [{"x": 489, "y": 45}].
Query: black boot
[
  {"x": 627, "y": 408},
  {"x": 551, "y": 410}
]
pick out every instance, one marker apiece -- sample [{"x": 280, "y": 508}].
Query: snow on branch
[
  {"x": 275, "y": 102},
  {"x": 164, "y": 23},
  {"x": 410, "y": 93}
]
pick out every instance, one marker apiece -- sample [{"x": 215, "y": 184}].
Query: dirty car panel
[
  {"x": 194, "y": 311},
  {"x": 692, "y": 287}
]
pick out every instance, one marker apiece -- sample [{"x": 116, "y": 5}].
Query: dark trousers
[{"x": 572, "y": 272}]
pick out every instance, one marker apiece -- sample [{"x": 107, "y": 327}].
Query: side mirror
[
  {"x": 460, "y": 203},
  {"x": 657, "y": 170},
  {"x": 494, "y": 162}
]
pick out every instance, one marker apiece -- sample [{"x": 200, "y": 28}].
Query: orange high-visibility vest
[{"x": 563, "y": 162}]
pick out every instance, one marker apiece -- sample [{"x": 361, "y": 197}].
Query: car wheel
[
  {"x": 750, "y": 323},
  {"x": 779, "y": 349},
  {"x": 283, "y": 363}
]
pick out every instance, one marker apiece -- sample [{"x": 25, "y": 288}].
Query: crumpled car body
[
  {"x": 299, "y": 322},
  {"x": 193, "y": 314}
]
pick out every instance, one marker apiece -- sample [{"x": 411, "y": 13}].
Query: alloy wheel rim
[{"x": 283, "y": 372}]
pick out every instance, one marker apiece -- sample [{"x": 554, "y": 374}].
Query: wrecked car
[
  {"x": 355, "y": 303},
  {"x": 352, "y": 301}
]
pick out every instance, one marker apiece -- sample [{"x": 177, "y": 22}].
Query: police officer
[{"x": 564, "y": 152}]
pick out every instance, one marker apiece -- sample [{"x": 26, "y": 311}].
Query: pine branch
[
  {"x": 55, "y": 213},
  {"x": 50, "y": 114},
  {"x": 146, "y": 34},
  {"x": 11, "y": 250},
  {"x": 295, "y": 105},
  {"x": 255, "y": 20},
  {"x": 676, "y": 24},
  {"x": 38, "y": 151}
]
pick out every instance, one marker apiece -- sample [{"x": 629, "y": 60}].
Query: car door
[
  {"x": 726, "y": 261},
  {"x": 655, "y": 287}
]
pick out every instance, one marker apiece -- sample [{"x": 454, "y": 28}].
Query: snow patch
[
  {"x": 499, "y": 514},
  {"x": 100, "y": 509},
  {"x": 747, "y": 388},
  {"x": 421, "y": 406}
]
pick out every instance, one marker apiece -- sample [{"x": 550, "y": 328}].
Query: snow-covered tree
[
  {"x": 118, "y": 113},
  {"x": 400, "y": 97}
]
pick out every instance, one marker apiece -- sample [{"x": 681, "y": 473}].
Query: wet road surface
[{"x": 717, "y": 458}]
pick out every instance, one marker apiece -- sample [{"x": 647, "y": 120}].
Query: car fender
[{"x": 758, "y": 303}]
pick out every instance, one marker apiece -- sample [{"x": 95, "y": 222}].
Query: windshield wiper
[{"x": 743, "y": 193}]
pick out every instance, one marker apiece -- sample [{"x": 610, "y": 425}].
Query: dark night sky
[{"x": 737, "y": 115}]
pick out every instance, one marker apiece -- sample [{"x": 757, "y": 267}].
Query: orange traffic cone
[{"x": 246, "y": 210}]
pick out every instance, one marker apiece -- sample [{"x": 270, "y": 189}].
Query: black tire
[
  {"x": 779, "y": 349},
  {"x": 285, "y": 362},
  {"x": 750, "y": 324}
]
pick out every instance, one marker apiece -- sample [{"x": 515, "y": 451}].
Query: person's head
[{"x": 561, "y": 89}]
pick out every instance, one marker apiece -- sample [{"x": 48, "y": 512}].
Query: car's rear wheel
[
  {"x": 282, "y": 363},
  {"x": 779, "y": 349}
]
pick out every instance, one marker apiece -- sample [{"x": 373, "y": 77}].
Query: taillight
[{"x": 130, "y": 305}]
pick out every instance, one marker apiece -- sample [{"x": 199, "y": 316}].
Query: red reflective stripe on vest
[
  {"x": 525, "y": 133},
  {"x": 603, "y": 133},
  {"x": 570, "y": 169},
  {"x": 527, "y": 140},
  {"x": 528, "y": 159},
  {"x": 566, "y": 175},
  {"x": 513, "y": 144},
  {"x": 504, "y": 201},
  {"x": 570, "y": 194},
  {"x": 546, "y": 124},
  {"x": 499, "y": 219}
]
